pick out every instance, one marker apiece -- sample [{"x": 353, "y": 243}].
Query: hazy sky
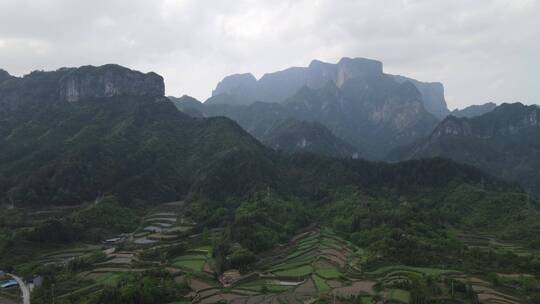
[{"x": 482, "y": 50}]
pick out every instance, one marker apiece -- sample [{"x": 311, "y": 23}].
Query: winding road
[{"x": 24, "y": 288}]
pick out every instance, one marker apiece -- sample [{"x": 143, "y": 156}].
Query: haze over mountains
[
  {"x": 362, "y": 112},
  {"x": 354, "y": 99}
]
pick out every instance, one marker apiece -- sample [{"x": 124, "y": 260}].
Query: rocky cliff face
[
  {"x": 108, "y": 81},
  {"x": 452, "y": 126},
  {"x": 244, "y": 89},
  {"x": 432, "y": 94}
]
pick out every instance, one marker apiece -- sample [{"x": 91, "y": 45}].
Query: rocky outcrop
[
  {"x": 108, "y": 81},
  {"x": 432, "y": 94}
]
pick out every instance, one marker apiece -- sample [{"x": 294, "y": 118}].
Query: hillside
[
  {"x": 61, "y": 152},
  {"x": 503, "y": 142},
  {"x": 295, "y": 136}
]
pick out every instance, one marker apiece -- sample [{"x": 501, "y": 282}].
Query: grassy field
[
  {"x": 329, "y": 273},
  {"x": 320, "y": 283},
  {"x": 191, "y": 264},
  {"x": 421, "y": 270},
  {"x": 300, "y": 271},
  {"x": 109, "y": 279},
  {"x": 398, "y": 295}
]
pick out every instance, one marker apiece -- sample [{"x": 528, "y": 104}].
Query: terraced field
[
  {"x": 489, "y": 242},
  {"x": 317, "y": 264}
]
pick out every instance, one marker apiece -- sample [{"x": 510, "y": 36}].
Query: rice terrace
[{"x": 314, "y": 265}]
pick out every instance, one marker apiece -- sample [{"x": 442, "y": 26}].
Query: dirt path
[{"x": 24, "y": 288}]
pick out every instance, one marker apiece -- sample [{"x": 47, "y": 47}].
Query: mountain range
[
  {"x": 91, "y": 153},
  {"x": 372, "y": 111},
  {"x": 362, "y": 112}
]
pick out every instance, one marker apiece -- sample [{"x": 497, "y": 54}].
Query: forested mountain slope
[{"x": 504, "y": 142}]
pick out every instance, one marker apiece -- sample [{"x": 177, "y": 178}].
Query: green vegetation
[
  {"x": 320, "y": 283},
  {"x": 194, "y": 264},
  {"x": 329, "y": 273},
  {"x": 295, "y": 272},
  {"x": 399, "y": 295}
]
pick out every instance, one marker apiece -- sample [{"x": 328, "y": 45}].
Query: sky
[{"x": 481, "y": 50}]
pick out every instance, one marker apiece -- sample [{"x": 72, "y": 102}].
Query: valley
[{"x": 110, "y": 194}]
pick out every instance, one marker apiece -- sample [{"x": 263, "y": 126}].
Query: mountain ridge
[{"x": 503, "y": 142}]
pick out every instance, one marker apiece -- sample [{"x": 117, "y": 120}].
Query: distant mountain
[
  {"x": 188, "y": 105},
  {"x": 371, "y": 111},
  {"x": 504, "y": 142},
  {"x": 294, "y": 136},
  {"x": 474, "y": 110},
  {"x": 375, "y": 114},
  {"x": 243, "y": 89}
]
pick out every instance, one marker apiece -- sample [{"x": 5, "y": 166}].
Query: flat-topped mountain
[
  {"x": 75, "y": 84},
  {"x": 278, "y": 86},
  {"x": 107, "y": 81},
  {"x": 504, "y": 142},
  {"x": 71, "y": 135}
]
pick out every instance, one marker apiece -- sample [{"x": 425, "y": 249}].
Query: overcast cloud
[{"x": 482, "y": 50}]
